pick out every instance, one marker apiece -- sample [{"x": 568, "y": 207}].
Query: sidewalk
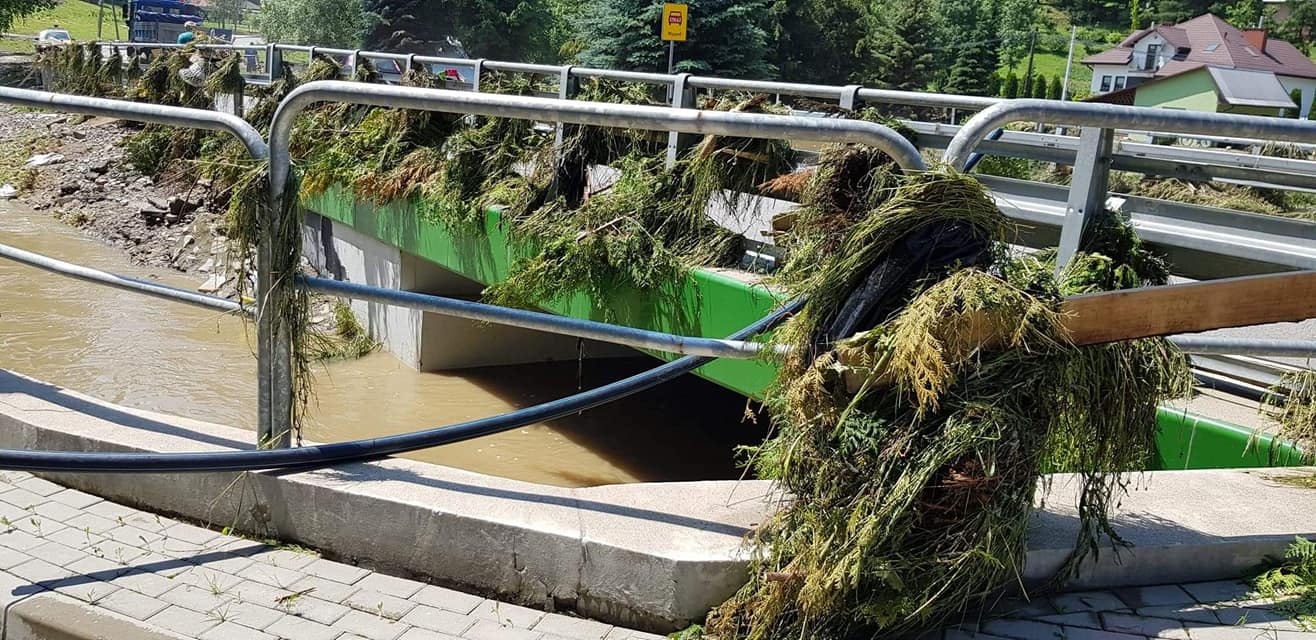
[{"x": 70, "y": 561}]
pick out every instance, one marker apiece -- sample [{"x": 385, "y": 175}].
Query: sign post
[{"x": 676, "y": 17}]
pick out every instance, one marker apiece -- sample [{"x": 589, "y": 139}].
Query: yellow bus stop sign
[{"x": 676, "y": 17}]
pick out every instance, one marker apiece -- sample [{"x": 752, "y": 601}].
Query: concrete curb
[
  {"x": 655, "y": 556},
  {"x": 51, "y": 616}
]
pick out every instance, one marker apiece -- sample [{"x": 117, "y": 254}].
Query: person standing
[{"x": 189, "y": 35}]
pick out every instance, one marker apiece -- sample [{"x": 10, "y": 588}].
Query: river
[{"x": 177, "y": 359}]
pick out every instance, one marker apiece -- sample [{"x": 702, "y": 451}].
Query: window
[
  {"x": 1119, "y": 83},
  {"x": 1153, "y": 52},
  {"x": 1105, "y": 84},
  {"x": 1213, "y": 46}
]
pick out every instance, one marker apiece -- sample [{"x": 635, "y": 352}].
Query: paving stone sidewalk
[
  {"x": 197, "y": 583},
  {"x": 1226, "y": 610}
]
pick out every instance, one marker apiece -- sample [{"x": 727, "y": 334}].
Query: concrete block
[
  {"x": 488, "y": 630},
  {"x": 98, "y": 568},
  {"x": 55, "y": 512},
  {"x": 86, "y": 590},
  {"x": 195, "y": 598},
  {"x": 1219, "y": 591},
  {"x": 326, "y": 589},
  {"x": 448, "y": 599},
  {"x": 1155, "y": 596},
  {"x": 507, "y": 615},
  {"x": 1088, "y": 601},
  {"x": 390, "y": 585},
  {"x": 1135, "y": 625},
  {"x": 294, "y": 628},
  {"x": 234, "y": 631},
  {"x": 20, "y": 540},
  {"x": 1186, "y": 613},
  {"x": 250, "y": 614},
  {"x": 569, "y": 627},
  {"x": 1085, "y": 633},
  {"x": 183, "y": 620},
  {"x": 76, "y": 499},
  {"x": 10, "y": 558},
  {"x": 286, "y": 558},
  {"x": 271, "y": 575},
  {"x": 1024, "y": 629},
  {"x": 438, "y": 620},
  {"x": 22, "y": 498},
  {"x": 75, "y": 538},
  {"x": 37, "y": 570},
  {"x": 416, "y": 633},
  {"x": 312, "y": 608},
  {"x": 147, "y": 582},
  {"x": 372, "y": 626},
  {"x": 132, "y": 604},
  {"x": 381, "y": 604},
  {"x": 39, "y": 486},
  {"x": 335, "y": 571},
  {"x": 1086, "y": 619}
]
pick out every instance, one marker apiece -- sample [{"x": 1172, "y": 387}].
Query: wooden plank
[{"x": 1189, "y": 308}]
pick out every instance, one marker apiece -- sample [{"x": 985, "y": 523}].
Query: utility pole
[
  {"x": 100, "y": 18},
  {"x": 1028, "y": 79},
  {"x": 1069, "y": 63}
]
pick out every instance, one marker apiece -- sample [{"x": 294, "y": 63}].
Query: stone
[
  {"x": 181, "y": 206},
  {"x": 212, "y": 284},
  {"x": 67, "y": 188},
  {"x": 99, "y": 165},
  {"x": 43, "y": 159},
  {"x": 7, "y": 191}
]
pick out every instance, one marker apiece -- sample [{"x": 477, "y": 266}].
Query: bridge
[{"x": 417, "y": 275}]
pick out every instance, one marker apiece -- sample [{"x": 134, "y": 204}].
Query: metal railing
[{"x": 274, "y": 354}]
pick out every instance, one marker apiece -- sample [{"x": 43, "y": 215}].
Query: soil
[{"x": 172, "y": 223}]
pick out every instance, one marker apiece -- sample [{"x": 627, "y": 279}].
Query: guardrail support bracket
[{"x": 1088, "y": 189}]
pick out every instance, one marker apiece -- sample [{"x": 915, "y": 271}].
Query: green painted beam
[
  {"x": 707, "y": 303},
  {"x": 1188, "y": 441}
]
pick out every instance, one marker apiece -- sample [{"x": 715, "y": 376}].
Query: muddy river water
[{"x": 168, "y": 357}]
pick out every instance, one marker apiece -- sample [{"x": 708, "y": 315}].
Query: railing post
[
  {"x": 477, "y": 74},
  {"x": 1089, "y": 187},
  {"x": 683, "y": 97},
  {"x": 273, "y": 61},
  {"x": 568, "y": 86},
  {"x": 355, "y": 60},
  {"x": 850, "y": 96}
]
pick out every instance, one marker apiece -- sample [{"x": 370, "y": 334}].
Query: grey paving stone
[
  {"x": 234, "y": 631},
  {"x": 620, "y": 633},
  {"x": 76, "y": 499},
  {"x": 490, "y": 630},
  {"x": 37, "y": 525},
  {"x": 75, "y": 538},
  {"x": 286, "y": 558},
  {"x": 371, "y": 626},
  {"x": 271, "y": 575},
  {"x": 51, "y": 510},
  {"x": 261, "y": 594},
  {"x": 1158, "y": 596},
  {"x": 449, "y": 599},
  {"x": 507, "y": 614},
  {"x": 1295, "y": 635},
  {"x": 311, "y": 608},
  {"x": 441, "y": 620},
  {"x": 1191, "y": 613},
  {"x": 569, "y": 627},
  {"x": 961, "y": 634},
  {"x": 1220, "y": 591},
  {"x": 1137, "y": 625},
  {"x": 20, "y": 540},
  {"x": 22, "y": 498},
  {"x": 110, "y": 510},
  {"x": 86, "y": 590},
  {"x": 1225, "y": 632},
  {"x": 183, "y": 620},
  {"x": 209, "y": 579},
  {"x": 56, "y": 553},
  {"x": 195, "y": 598},
  {"x": 39, "y": 486},
  {"x": 148, "y": 521},
  {"x": 91, "y": 522},
  {"x": 189, "y": 533},
  {"x": 1088, "y": 601},
  {"x": 132, "y": 604},
  {"x": 335, "y": 571},
  {"x": 294, "y": 628},
  {"x": 147, "y": 583},
  {"x": 416, "y": 633},
  {"x": 1023, "y": 629},
  {"x": 229, "y": 563},
  {"x": 325, "y": 589},
  {"x": 1256, "y": 618},
  {"x": 98, "y": 568},
  {"x": 1084, "y": 633},
  {"x": 375, "y": 602},
  {"x": 37, "y": 570},
  {"x": 1088, "y": 619},
  {"x": 250, "y": 614},
  {"x": 390, "y": 585},
  {"x": 10, "y": 558},
  {"x": 130, "y": 535}
]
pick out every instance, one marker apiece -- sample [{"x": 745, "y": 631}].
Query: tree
[
  {"x": 227, "y": 13},
  {"x": 11, "y": 10},
  {"x": 327, "y": 23},
  {"x": 973, "y": 47},
  {"x": 1015, "y": 21},
  {"x": 724, "y": 37},
  {"x": 1300, "y": 27},
  {"x": 899, "y": 50},
  {"x": 1011, "y": 89},
  {"x": 1055, "y": 88},
  {"x": 1135, "y": 15},
  {"x": 1175, "y": 11},
  {"x": 1039, "y": 86},
  {"x": 498, "y": 29},
  {"x": 817, "y": 40}
]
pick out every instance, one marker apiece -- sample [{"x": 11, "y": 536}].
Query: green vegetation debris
[{"x": 1293, "y": 584}]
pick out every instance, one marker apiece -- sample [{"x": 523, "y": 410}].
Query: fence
[{"x": 274, "y": 353}]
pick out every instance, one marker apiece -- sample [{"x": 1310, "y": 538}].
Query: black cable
[{"x": 325, "y": 455}]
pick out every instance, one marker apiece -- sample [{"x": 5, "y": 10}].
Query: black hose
[{"x": 325, "y": 455}]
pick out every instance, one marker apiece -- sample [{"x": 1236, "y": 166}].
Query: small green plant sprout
[
  {"x": 36, "y": 522},
  {"x": 219, "y": 614},
  {"x": 9, "y": 526},
  {"x": 289, "y": 601},
  {"x": 216, "y": 587}
]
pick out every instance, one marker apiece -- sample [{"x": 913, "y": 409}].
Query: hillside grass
[{"x": 79, "y": 18}]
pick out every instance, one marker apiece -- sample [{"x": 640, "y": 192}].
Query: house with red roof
[{"x": 1204, "y": 64}]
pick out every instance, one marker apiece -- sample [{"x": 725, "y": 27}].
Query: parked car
[{"x": 53, "y": 36}]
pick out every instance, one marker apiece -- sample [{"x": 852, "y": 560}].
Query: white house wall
[{"x": 1306, "y": 85}]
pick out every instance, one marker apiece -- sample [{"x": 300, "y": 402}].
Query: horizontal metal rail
[
  {"x": 141, "y": 112},
  {"x": 1109, "y": 116},
  {"x": 1222, "y": 345},
  {"x": 116, "y": 281},
  {"x": 1202, "y": 242},
  {"x": 546, "y": 322}
]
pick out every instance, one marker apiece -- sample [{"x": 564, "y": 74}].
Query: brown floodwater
[{"x": 163, "y": 356}]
